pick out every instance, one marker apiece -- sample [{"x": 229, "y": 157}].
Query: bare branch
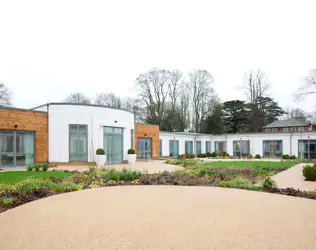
[
  {"x": 78, "y": 97},
  {"x": 5, "y": 95}
]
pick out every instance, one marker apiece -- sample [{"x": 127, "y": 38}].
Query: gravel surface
[
  {"x": 161, "y": 217},
  {"x": 293, "y": 177}
]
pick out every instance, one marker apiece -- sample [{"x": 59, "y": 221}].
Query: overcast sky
[{"x": 49, "y": 49}]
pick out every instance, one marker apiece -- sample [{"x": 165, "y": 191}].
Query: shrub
[
  {"x": 268, "y": 183},
  {"x": 233, "y": 183},
  {"x": 214, "y": 154},
  {"x": 201, "y": 155},
  {"x": 44, "y": 166},
  {"x": 123, "y": 175},
  {"x": 191, "y": 162},
  {"x": 286, "y": 157},
  {"x": 79, "y": 178},
  {"x": 293, "y": 157},
  {"x": 174, "y": 161},
  {"x": 309, "y": 173},
  {"x": 249, "y": 156},
  {"x": 6, "y": 189},
  {"x": 257, "y": 156},
  {"x": 111, "y": 182},
  {"x": 66, "y": 186},
  {"x": 37, "y": 167},
  {"x": 8, "y": 202},
  {"x": 100, "y": 151},
  {"x": 29, "y": 186},
  {"x": 29, "y": 167},
  {"x": 131, "y": 151},
  {"x": 208, "y": 154}
]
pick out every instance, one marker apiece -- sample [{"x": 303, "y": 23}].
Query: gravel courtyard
[{"x": 161, "y": 217}]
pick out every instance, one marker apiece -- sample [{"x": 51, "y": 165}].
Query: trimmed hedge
[{"x": 309, "y": 173}]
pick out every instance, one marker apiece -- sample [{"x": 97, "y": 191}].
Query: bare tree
[
  {"x": 153, "y": 87},
  {"x": 256, "y": 85},
  {"x": 202, "y": 93},
  {"x": 309, "y": 86},
  {"x": 78, "y": 97},
  {"x": 5, "y": 95},
  {"x": 109, "y": 100}
]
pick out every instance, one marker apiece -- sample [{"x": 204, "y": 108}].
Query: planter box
[
  {"x": 100, "y": 160},
  {"x": 131, "y": 159}
]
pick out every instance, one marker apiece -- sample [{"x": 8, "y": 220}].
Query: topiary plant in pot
[
  {"x": 131, "y": 156},
  {"x": 101, "y": 157}
]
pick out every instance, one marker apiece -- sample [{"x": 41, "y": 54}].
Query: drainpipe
[{"x": 291, "y": 134}]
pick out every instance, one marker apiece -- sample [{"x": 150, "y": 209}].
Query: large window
[
  {"x": 241, "y": 148},
  {"x": 188, "y": 147},
  {"x": 16, "y": 148},
  {"x": 307, "y": 149},
  {"x": 207, "y": 147},
  {"x": 272, "y": 148},
  {"x": 198, "y": 147},
  {"x": 78, "y": 142},
  {"x": 220, "y": 146},
  {"x": 173, "y": 148},
  {"x": 113, "y": 145}
]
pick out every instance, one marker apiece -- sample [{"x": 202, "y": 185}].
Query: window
[
  {"x": 78, "y": 142},
  {"x": 188, "y": 147},
  {"x": 241, "y": 148},
  {"x": 173, "y": 148},
  {"x": 285, "y": 129},
  {"x": 198, "y": 146},
  {"x": 220, "y": 146},
  {"x": 267, "y": 130},
  {"x": 293, "y": 129},
  {"x": 274, "y": 130},
  {"x": 301, "y": 129},
  {"x": 207, "y": 147},
  {"x": 272, "y": 148}
]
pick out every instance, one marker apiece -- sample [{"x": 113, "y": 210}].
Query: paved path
[
  {"x": 154, "y": 166},
  {"x": 294, "y": 178},
  {"x": 161, "y": 217}
]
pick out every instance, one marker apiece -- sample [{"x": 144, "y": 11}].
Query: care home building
[{"x": 63, "y": 133}]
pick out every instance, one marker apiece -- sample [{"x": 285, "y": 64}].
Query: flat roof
[
  {"x": 80, "y": 104},
  {"x": 20, "y": 109}
]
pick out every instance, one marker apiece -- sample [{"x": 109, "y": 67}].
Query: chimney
[{"x": 300, "y": 118}]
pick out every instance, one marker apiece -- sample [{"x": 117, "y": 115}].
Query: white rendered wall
[
  {"x": 61, "y": 115},
  {"x": 290, "y": 141}
]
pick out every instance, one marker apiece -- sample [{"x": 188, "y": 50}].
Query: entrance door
[
  {"x": 78, "y": 143},
  {"x": 173, "y": 148},
  {"x": 144, "y": 148},
  {"x": 7, "y": 149},
  {"x": 16, "y": 148},
  {"x": 113, "y": 145}
]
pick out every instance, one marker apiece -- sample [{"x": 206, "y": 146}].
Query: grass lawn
[
  {"x": 11, "y": 177},
  {"x": 244, "y": 164}
]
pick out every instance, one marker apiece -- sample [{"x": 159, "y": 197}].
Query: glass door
[
  {"x": 144, "y": 148},
  {"x": 7, "y": 149},
  {"x": 78, "y": 143},
  {"x": 113, "y": 145},
  {"x": 173, "y": 148},
  {"x": 16, "y": 148}
]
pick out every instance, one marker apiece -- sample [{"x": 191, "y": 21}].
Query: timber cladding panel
[
  {"x": 25, "y": 120},
  {"x": 148, "y": 131}
]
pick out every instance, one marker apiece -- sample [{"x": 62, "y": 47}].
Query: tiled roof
[{"x": 293, "y": 122}]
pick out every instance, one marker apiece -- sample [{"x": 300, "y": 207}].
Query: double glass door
[
  {"x": 113, "y": 145},
  {"x": 144, "y": 148},
  {"x": 78, "y": 143},
  {"x": 16, "y": 148}
]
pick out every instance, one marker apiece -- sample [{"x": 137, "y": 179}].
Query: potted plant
[
  {"x": 131, "y": 156},
  {"x": 101, "y": 157}
]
